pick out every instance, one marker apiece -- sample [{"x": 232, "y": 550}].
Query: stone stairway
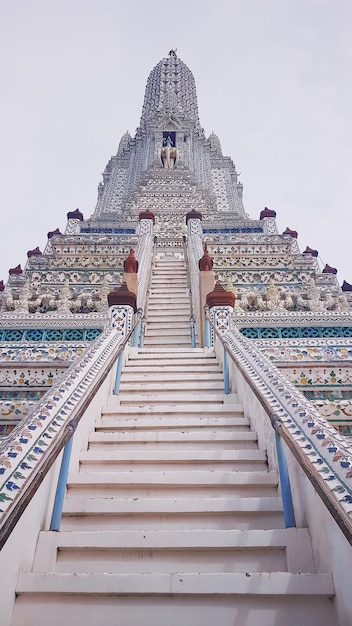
[
  {"x": 168, "y": 305},
  {"x": 173, "y": 517}
]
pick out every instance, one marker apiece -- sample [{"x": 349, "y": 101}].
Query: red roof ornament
[
  {"x": 130, "y": 264},
  {"x": 15, "y": 270},
  {"x": 75, "y": 215},
  {"x": 52, "y": 233},
  {"x": 205, "y": 264},
  {"x": 193, "y": 215},
  {"x": 35, "y": 252},
  {"x": 309, "y": 250},
  {"x": 146, "y": 215},
  {"x": 122, "y": 297},
  {"x": 346, "y": 286},
  {"x": 220, "y": 297},
  {"x": 329, "y": 270},
  {"x": 292, "y": 233},
  {"x": 267, "y": 213}
]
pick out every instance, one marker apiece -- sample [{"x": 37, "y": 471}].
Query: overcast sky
[{"x": 273, "y": 80}]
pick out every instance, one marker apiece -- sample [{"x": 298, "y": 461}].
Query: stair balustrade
[
  {"x": 310, "y": 438},
  {"x": 191, "y": 319},
  {"x": 314, "y": 459}
]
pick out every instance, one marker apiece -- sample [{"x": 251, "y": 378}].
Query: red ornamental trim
[
  {"x": 16, "y": 270},
  {"x": 292, "y": 233},
  {"x": 147, "y": 215},
  {"x": 75, "y": 215},
  {"x": 193, "y": 215},
  {"x": 267, "y": 213},
  {"x": 52, "y": 233},
  {"x": 309, "y": 250},
  {"x": 205, "y": 264},
  {"x": 346, "y": 286},
  {"x": 34, "y": 252},
  {"x": 220, "y": 297},
  {"x": 329, "y": 270},
  {"x": 130, "y": 264},
  {"x": 122, "y": 297}
]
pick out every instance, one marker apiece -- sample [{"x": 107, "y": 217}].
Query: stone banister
[
  {"x": 194, "y": 253},
  {"x": 324, "y": 455},
  {"x": 144, "y": 254}
]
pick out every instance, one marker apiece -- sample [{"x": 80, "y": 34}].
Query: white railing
[
  {"x": 194, "y": 253},
  {"x": 144, "y": 254}
]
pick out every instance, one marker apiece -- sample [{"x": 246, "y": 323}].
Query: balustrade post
[
  {"x": 226, "y": 373},
  {"x": 286, "y": 495},
  {"x": 61, "y": 487}
]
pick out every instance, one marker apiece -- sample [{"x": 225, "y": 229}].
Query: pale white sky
[{"x": 273, "y": 80}]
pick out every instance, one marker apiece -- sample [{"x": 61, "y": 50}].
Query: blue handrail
[{"x": 286, "y": 494}]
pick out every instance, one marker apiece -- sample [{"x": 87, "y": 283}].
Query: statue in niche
[
  {"x": 314, "y": 297},
  {"x": 43, "y": 302},
  {"x": 65, "y": 298},
  {"x": 103, "y": 294},
  {"x": 24, "y": 296},
  {"x": 8, "y": 303},
  {"x": 84, "y": 302},
  {"x": 168, "y": 154},
  {"x": 342, "y": 304},
  {"x": 273, "y": 297}
]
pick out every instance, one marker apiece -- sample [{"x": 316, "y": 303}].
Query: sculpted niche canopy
[{"x": 170, "y": 137}]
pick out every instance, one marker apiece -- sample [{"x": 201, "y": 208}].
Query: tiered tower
[
  {"x": 154, "y": 461},
  {"x": 294, "y": 312}
]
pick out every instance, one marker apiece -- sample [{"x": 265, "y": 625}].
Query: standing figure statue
[
  {"x": 65, "y": 301},
  {"x": 24, "y": 296},
  {"x": 168, "y": 154},
  {"x": 273, "y": 297}
]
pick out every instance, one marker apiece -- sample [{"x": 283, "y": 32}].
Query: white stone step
[
  {"x": 170, "y": 281},
  {"x": 145, "y": 375},
  {"x": 157, "y": 321},
  {"x": 177, "y": 299},
  {"x": 161, "y": 439},
  {"x": 180, "y": 456},
  {"x": 190, "y": 353},
  {"x": 158, "y": 304},
  {"x": 138, "y": 421},
  {"x": 86, "y": 510},
  {"x": 169, "y": 333},
  {"x": 162, "y": 270},
  {"x": 151, "y": 356},
  {"x": 198, "y": 478},
  {"x": 195, "y": 599},
  {"x": 169, "y": 286},
  {"x": 174, "y": 551},
  {"x": 155, "y": 342},
  {"x": 179, "y": 318},
  {"x": 166, "y": 385},
  {"x": 206, "y": 459},
  {"x": 172, "y": 398},
  {"x": 213, "y": 414},
  {"x": 227, "y": 407},
  {"x": 253, "y": 584},
  {"x": 159, "y": 367}
]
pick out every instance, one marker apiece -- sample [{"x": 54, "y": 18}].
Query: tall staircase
[{"x": 173, "y": 518}]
